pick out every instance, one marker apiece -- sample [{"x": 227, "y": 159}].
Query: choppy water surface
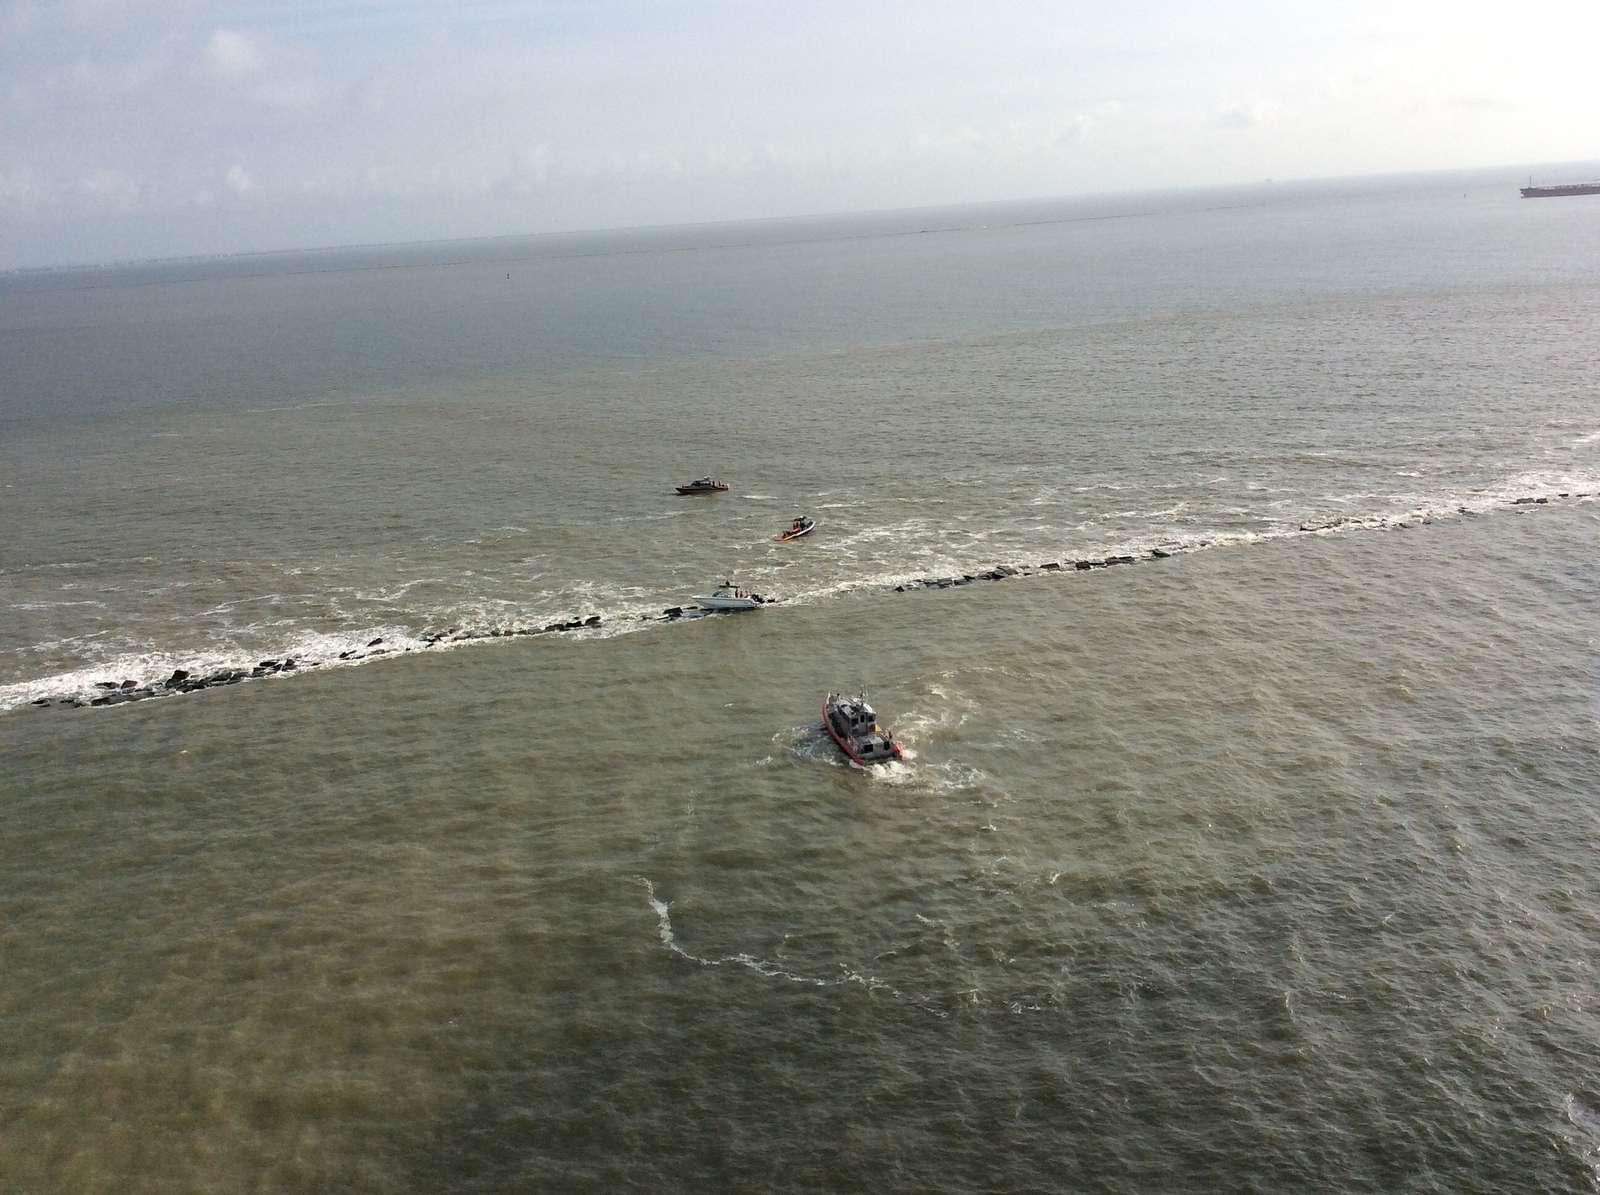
[{"x": 1269, "y": 865}]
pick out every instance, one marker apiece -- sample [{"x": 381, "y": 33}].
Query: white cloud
[
  {"x": 1246, "y": 116},
  {"x": 231, "y": 54},
  {"x": 113, "y": 188},
  {"x": 290, "y": 95},
  {"x": 503, "y": 115},
  {"x": 114, "y": 80},
  {"x": 1080, "y": 126},
  {"x": 22, "y": 188}
]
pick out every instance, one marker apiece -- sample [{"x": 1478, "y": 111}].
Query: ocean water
[{"x": 1265, "y": 862}]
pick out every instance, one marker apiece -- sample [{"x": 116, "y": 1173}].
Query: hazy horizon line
[{"x": 603, "y": 229}]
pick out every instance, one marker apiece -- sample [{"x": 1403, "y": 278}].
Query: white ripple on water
[
  {"x": 1585, "y": 1123},
  {"x": 53, "y": 605},
  {"x": 397, "y": 592},
  {"x": 847, "y": 974}
]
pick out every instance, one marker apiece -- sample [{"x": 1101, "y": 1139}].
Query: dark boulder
[
  {"x": 1522, "y": 502},
  {"x": 1051, "y": 567},
  {"x": 40, "y": 701},
  {"x": 592, "y": 621},
  {"x": 105, "y": 684},
  {"x": 267, "y": 664},
  {"x": 178, "y": 674},
  {"x": 129, "y": 684},
  {"x": 1082, "y": 565},
  {"x": 1159, "y": 554},
  {"x": 375, "y": 643},
  {"x": 1119, "y": 559}
]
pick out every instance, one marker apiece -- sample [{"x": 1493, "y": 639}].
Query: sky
[{"x": 149, "y": 128}]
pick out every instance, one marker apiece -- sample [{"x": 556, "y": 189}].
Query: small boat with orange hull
[
  {"x": 801, "y": 526},
  {"x": 853, "y": 725},
  {"x": 704, "y": 485}
]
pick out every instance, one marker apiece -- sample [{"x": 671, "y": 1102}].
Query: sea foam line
[{"x": 75, "y": 690}]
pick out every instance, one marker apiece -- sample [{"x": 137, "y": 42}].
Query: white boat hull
[{"x": 727, "y": 603}]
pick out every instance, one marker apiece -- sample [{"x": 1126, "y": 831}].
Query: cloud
[
  {"x": 22, "y": 188},
  {"x": 231, "y": 54},
  {"x": 112, "y": 188},
  {"x": 1080, "y": 126},
  {"x": 114, "y": 80},
  {"x": 1246, "y": 116},
  {"x": 237, "y": 179},
  {"x": 290, "y": 95},
  {"x": 1483, "y": 102}
]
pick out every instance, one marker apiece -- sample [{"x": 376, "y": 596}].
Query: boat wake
[{"x": 846, "y": 975}]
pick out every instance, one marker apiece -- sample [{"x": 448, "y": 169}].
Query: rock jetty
[{"x": 182, "y": 681}]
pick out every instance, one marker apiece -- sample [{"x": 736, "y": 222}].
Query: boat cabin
[
  {"x": 858, "y": 716},
  {"x": 855, "y": 724}
]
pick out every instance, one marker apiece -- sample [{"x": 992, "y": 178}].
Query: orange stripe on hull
[{"x": 827, "y": 724}]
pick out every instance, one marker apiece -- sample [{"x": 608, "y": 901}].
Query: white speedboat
[{"x": 729, "y": 596}]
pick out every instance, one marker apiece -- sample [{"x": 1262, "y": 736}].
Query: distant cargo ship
[{"x": 1532, "y": 192}]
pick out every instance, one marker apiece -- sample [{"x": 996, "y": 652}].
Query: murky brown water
[{"x": 1266, "y": 866}]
